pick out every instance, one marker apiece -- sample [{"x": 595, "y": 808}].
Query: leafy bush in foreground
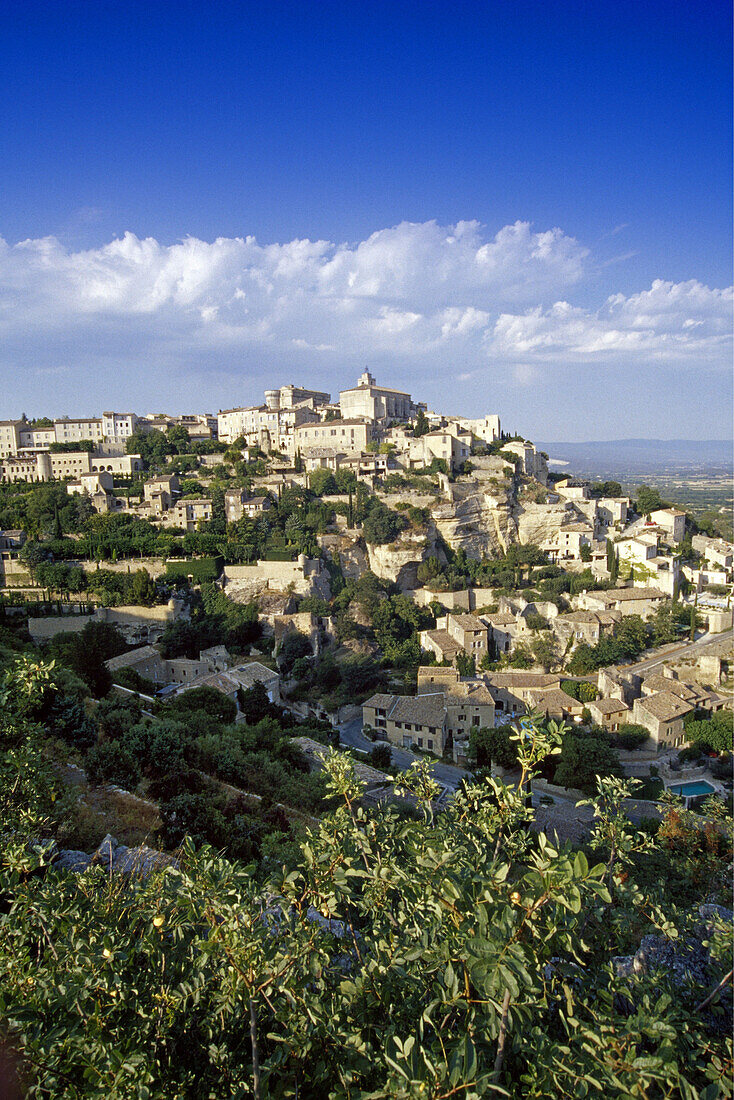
[{"x": 452, "y": 956}]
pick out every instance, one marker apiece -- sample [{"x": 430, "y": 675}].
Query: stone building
[{"x": 374, "y": 402}]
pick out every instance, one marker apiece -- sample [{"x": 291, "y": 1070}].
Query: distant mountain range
[{"x": 617, "y": 457}]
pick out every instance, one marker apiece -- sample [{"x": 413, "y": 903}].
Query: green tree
[
  {"x": 322, "y": 482},
  {"x": 205, "y": 698},
  {"x": 293, "y": 646},
  {"x": 382, "y": 525},
  {"x": 381, "y": 757},
  {"x": 545, "y": 651},
  {"x": 466, "y": 664},
  {"x": 346, "y": 480},
  {"x": 648, "y": 500},
  {"x": 583, "y": 759},
  {"x": 421, "y": 427},
  {"x": 497, "y": 745},
  {"x": 142, "y": 588}
]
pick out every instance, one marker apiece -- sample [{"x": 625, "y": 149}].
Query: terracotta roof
[
  {"x": 473, "y": 696},
  {"x": 379, "y": 702},
  {"x": 423, "y": 710},
  {"x": 220, "y": 681},
  {"x": 500, "y": 619}
]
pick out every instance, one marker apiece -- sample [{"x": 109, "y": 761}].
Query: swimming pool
[{"x": 692, "y": 790}]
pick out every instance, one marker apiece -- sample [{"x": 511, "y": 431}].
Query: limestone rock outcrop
[{"x": 537, "y": 523}]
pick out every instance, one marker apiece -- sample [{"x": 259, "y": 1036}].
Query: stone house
[
  {"x": 240, "y": 678},
  {"x": 450, "y": 446},
  {"x": 532, "y": 463},
  {"x": 585, "y": 626},
  {"x": 408, "y": 721},
  {"x": 672, "y": 521},
  {"x": 514, "y": 690},
  {"x": 610, "y": 714},
  {"x": 238, "y": 504},
  {"x": 611, "y": 512},
  {"x": 160, "y": 492},
  {"x": 570, "y": 489},
  {"x": 187, "y": 513},
  {"x": 454, "y": 634},
  {"x": 629, "y": 601},
  {"x": 13, "y": 572},
  {"x": 335, "y": 435},
  {"x": 433, "y": 719},
  {"x": 716, "y": 552},
  {"x": 556, "y": 703},
  {"x": 699, "y": 697},
  {"x": 567, "y": 542},
  {"x": 662, "y": 716}
]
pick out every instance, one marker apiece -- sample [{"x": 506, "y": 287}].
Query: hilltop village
[
  {"x": 364, "y": 706},
  {"x": 372, "y": 543}
]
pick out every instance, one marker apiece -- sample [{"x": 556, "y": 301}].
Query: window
[
  {"x": 398, "y": 725},
  {"x": 475, "y": 720},
  {"x": 429, "y": 745},
  {"x": 408, "y": 726},
  {"x": 420, "y": 742}
]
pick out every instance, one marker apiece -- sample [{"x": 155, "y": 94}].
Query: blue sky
[{"x": 515, "y": 207}]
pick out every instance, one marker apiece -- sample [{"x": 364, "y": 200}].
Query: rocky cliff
[{"x": 398, "y": 561}]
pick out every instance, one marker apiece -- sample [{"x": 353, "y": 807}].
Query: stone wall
[
  {"x": 155, "y": 566},
  {"x": 139, "y": 625}
]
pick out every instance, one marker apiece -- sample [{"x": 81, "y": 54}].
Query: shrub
[
  {"x": 381, "y": 757},
  {"x": 112, "y": 762},
  {"x": 632, "y": 736}
]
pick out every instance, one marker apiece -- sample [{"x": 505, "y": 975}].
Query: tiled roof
[
  {"x": 250, "y": 674},
  {"x": 608, "y": 706},
  {"x": 379, "y": 702},
  {"x": 133, "y": 657},
  {"x": 522, "y": 679},
  {"x": 658, "y": 682},
  {"x": 500, "y": 619},
  {"x": 665, "y": 706},
  {"x": 555, "y": 699},
  {"x": 474, "y": 696},
  {"x": 444, "y": 641},
  {"x": 423, "y": 710},
  {"x": 317, "y": 752},
  {"x": 468, "y": 622},
  {"x": 622, "y": 594},
  {"x": 220, "y": 681}
]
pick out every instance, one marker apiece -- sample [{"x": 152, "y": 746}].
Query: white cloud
[
  {"x": 417, "y": 293},
  {"x": 671, "y": 322}
]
